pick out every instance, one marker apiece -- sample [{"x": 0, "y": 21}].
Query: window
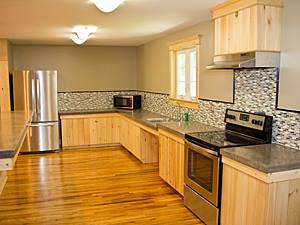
[{"x": 184, "y": 64}]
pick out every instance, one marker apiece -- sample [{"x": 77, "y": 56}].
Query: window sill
[{"x": 184, "y": 103}]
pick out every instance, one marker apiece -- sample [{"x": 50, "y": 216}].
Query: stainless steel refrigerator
[{"x": 36, "y": 92}]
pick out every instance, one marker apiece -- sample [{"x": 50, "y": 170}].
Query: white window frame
[{"x": 184, "y": 45}]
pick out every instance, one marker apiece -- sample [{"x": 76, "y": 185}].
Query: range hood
[{"x": 246, "y": 60}]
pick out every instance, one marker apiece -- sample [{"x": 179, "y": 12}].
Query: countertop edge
[
  {"x": 10, "y": 153},
  {"x": 161, "y": 126},
  {"x": 260, "y": 165}
]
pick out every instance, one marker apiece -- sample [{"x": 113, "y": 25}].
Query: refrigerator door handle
[
  {"x": 33, "y": 92},
  {"x": 42, "y": 125},
  {"x": 38, "y": 96}
]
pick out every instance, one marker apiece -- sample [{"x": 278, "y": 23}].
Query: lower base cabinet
[
  {"x": 108, "y": 129},
  {"x": 141, "y": 143},
  {"x": 89, "y": 130},
  {"x": 171, "y": 160},
  {"x": 250, "y": 197}
]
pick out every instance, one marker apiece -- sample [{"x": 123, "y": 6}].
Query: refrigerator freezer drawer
[{"x": 42, "y": 137}]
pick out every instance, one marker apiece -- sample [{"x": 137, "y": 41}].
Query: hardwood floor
[{"x": 96, "y": 186}]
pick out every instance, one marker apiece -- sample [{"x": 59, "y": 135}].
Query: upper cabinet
[{"x": 247, "y": 25}]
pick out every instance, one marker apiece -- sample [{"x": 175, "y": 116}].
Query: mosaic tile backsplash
[{"x": 255, "y": 91}]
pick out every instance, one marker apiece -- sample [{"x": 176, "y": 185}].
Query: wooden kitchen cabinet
[
  {"x": 107, "y": 129},
  {"x": 171, "y": 160},
  {"x": 252, "y": 197},
  {"x": 89, "y": 130},
  {"x": 4, "y": 77},
  {"x": 247, "y": 25},
  {"x": 141, "y": 141},
  {"x": 130, "y": 137}
]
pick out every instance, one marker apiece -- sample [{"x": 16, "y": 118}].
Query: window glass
[
  {"x": 181, "y": 71},
  {"x": 186, "y": 62}
]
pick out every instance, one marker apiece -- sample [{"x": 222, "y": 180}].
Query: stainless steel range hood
[{"x": 246, "y": 60}]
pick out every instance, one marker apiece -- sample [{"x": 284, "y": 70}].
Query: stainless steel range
[{"x": 203, "y": 166}]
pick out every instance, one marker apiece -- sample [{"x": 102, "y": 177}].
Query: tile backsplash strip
[
  {"x": 255, "y": 91},
  {"x": 91, "y": 100}
]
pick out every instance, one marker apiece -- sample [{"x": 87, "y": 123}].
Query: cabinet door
[
  {"x": 130, "y": 137},
  {"x": 75, "y": 132},
  {"x": 134, "y": 138},
  {"x": 269, "y": 28},
  {"x": 97, "y": 130},
  {"x": 124, "y": 132},
  {"x": 257, "y": 28},
  {"x": 221, "y": 35},
  {"x": 236, "y": 32},
  {"x": 90, "y": 131},
  {"x": 171, "y": 162},
  {"x": 103, "y": 130},
  {"x": 148, "y": 147},
  {"x": 113, "y": 130}
]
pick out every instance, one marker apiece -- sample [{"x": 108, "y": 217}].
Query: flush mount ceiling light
[
  {"x": 107, "y": 5},
  {"x": 82, "y": 33}
]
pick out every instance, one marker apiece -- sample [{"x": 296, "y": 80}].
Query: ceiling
[{"x": 134, "y": 23}]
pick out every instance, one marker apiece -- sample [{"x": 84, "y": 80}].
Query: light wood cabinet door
[
  {"x": 90, "y": 130},
  {"x": 257, "y": 28},
  {"x": 124, "y": 140},
  {"x": 75, "y": 132},
  {"x": 103, "y": 130},
  {"x": 149, "y": 147},
  {"x": 171, "y": 160},
  {"x": 130, "y": 137},
  {"x": 248, "y": 200}
]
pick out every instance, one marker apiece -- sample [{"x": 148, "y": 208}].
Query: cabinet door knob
[{"x": 236, "y": 14}]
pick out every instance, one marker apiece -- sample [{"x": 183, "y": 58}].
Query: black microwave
[{"x": 128, "y": 101}]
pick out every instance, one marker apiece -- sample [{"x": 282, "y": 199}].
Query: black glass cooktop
[{"x": 221, "y": 139}]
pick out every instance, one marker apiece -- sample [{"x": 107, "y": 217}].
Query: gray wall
[
  {"x": 153, "y": 65},
  {"x": 82, "y": 68}
]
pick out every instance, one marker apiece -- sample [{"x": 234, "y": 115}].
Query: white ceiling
[{"x": 133, "y": 23}]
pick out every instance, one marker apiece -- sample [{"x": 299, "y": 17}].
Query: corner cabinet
[
  {"x": 171, "y": 160},
  {"x": 247, "y": 25},
  {"x": 108, "y": 129},
  {"x": 251, "y": 197}
]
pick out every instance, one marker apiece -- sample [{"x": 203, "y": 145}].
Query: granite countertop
[
  {"x": 138, "y": 115},
  {"x": 142, "y": 116},
  {"x": 88, "y": 111},
  {"x": 268, "y": 158},
  {"x": 182, "y": 128},
  {"x": 13, "y": 127}
]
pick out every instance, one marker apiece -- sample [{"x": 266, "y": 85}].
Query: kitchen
[{"x": 148, "y": 166}]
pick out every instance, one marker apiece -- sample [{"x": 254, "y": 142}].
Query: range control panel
[{"x": 245, "y": 119}]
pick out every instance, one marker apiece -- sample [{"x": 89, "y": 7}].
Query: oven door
[{"x": 202, "y": 171}]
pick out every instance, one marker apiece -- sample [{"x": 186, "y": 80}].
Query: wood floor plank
[{"x": 105, "y": 186}]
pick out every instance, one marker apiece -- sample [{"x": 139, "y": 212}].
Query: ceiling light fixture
[
  {"x": 82, "y": 33},
  {"x": 107, "y": 5}
]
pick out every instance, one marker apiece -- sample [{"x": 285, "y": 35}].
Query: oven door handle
[{"x": 200, "y": 149}]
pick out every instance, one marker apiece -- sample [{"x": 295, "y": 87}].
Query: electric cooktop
[
  {"x": 222, "y": 139},
  {"x": 241, "y": 129}
]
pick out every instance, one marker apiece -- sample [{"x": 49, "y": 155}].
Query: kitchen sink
[{"x": 156, "y": 120}]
